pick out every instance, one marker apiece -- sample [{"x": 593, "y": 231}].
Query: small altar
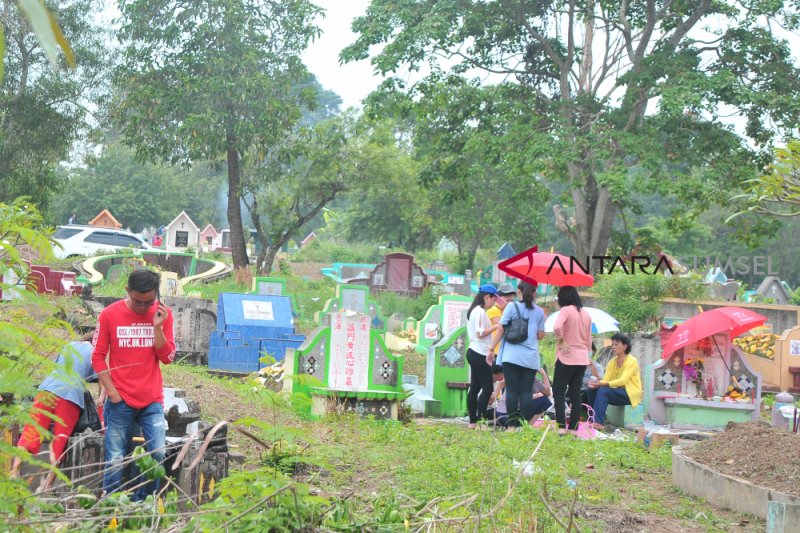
[{"x": 728, "y": 389}]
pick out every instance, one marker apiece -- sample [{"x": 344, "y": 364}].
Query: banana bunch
[{"x": 760, "y": 344}]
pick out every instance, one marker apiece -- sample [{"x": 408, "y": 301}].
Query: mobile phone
[{"x": 158, "y": 299}]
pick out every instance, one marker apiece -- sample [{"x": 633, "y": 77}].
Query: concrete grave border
[{"x": 721, "y": 489}]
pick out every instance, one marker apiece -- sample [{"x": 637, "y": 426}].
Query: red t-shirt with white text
[{"x": 124, "y": 344}]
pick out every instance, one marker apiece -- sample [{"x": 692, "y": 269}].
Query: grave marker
[
  {"x": 353, "y": 298},
  {"x": 671, "y": 398},
  {"x": 181, "y": 233},
  {"x": 447, "y": 375},
  {"x": 209, "y": 238},
  {"x": 442, "y": 318},
  {"x": 250, "y": 326},
  {"x": 772, "y": 287},
  {"x": 400, "y": 274},
  {"x": 105, "y": 219},
  {"x": 353, "y": 369}
]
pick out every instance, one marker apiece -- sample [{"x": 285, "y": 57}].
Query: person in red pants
[{"x": 58, "y": 404}]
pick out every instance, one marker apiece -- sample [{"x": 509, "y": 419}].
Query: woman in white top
[{"x": 479, "y": 357}]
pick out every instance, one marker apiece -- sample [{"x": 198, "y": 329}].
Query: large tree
[
  {"x": 44, "y": 108},
  {"x": 299, "y": 177},
  {"x": 621, "y": 96},
  {"x": 212, "y": 79},
  {"x": 482, "y": 191}
]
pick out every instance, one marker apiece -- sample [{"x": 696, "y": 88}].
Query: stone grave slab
[
  {"x": 398, "y": 273},
  {"x": 351, "y": 367},
  {"x": 772, "y": 288},
  {"x": 671, "y": 399},
  {"x": 447, "y": 375}
]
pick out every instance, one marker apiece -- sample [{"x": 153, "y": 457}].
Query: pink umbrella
[{"x": 733, "y": 320}]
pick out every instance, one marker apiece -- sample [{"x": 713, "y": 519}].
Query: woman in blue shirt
[
  {"x": 59, "y": 404},
  {"x": 521, "y": 361}
]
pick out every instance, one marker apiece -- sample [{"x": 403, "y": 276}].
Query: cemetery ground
[
  {"x": 414, "y": 472},
  {"x": 350, "y": 474}
]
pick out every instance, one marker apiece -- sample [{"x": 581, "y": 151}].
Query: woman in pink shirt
[{"x": 573, "y": 330}]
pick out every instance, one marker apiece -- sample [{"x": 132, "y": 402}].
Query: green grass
[
  {"x": 425, "y": 462},
  {"x": 392, "y": 470}
]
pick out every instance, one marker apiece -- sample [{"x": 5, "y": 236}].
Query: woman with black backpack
[{"x": 522, "y": 326}]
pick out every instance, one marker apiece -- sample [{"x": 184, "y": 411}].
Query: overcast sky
[{"x": 352, "y": 81}]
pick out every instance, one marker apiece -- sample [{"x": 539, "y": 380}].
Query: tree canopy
[
  {"x": 140, "y": 194},
  {"x": 613, "y": 97},
  {"x": 45, "y": 110},
  {"x": 212, "y": 81}
]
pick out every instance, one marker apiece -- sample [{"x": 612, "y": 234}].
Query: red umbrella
[
  {"x": 546, "y": 267},
  {"x": 731, "y": 320}
]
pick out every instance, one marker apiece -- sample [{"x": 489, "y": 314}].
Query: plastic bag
[{"x": 89, "y": 418}]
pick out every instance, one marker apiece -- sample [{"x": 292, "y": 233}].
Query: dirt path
[
  {"x": 220, "y": 403},
  {"x": 308, "y": 270}
]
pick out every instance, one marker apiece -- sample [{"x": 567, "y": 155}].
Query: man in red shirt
[{"x": 132, "y": 336}]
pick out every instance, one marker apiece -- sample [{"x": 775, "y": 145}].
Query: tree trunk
[
  {"x": 594, "y": 216},
  {"x": 268, "y": 249},
  {"x": 466, "y": 257},
  {"x": 238, "y": 242},
  {"x": 590, "y": 229},
  {"x": 266, "y": 259}
]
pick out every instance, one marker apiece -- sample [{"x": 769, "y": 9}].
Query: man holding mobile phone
[{"x": 131, "y": 337}]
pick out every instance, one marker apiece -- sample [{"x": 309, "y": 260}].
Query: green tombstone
[
  {"x": 441, "y": 319},
  {"x": 354, "y": 370},
  {"x": 270, "y": 286},
  {"x": 447, "y": 376},
  {"x": 352, "y": 298}
]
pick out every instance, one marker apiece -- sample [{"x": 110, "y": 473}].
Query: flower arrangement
[
  {"x": 705, "y": 345},
  {"x": 693, "y": 371}
]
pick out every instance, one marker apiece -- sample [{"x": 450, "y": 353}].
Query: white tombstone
[{"x": 182, "y": 233}]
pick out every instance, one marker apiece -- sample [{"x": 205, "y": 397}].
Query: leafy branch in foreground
[{"x": 776, "y": 193}]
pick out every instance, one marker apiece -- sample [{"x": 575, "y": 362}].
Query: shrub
[
  {"x": 635, "y": 300},
  {"x": 328, "y": 251},
  {"x": 406, "y": 306}
]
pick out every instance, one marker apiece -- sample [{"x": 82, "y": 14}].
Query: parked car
[{"x": 89, "y": 240}]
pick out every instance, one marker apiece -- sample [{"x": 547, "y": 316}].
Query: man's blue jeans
[
  {"x": 119, "y": 419},
  {"x": 602, "y": 397}
]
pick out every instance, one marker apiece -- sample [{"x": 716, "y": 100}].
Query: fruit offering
[
  {"x": 735, "y": 394},
  {"x": 760, "y": 344}
]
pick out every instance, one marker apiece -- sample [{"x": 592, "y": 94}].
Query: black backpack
[{"x": 516, "y": 331}]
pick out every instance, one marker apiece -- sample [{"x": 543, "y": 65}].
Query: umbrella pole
[{"x": 714, "y": 339}]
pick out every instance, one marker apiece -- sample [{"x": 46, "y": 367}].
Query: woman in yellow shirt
[{"x": 621, "y": 385}]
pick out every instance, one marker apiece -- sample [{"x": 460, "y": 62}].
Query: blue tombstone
[{"x": 250, "y": 326}]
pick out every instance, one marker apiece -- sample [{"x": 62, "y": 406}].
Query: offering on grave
[
  {"x": 735, "y": 393},
  {"x": 760, "y": 344}
]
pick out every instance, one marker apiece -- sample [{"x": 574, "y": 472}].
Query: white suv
[{"x": 88, "y": 240}]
